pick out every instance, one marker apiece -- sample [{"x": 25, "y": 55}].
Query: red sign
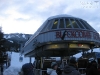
[{"x": 77, "y": 34}]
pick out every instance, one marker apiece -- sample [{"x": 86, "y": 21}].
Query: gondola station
[{"x": 60, "y": 36}]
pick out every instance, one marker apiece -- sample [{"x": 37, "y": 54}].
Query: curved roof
[
  {"x": 62, "y": 22},
  {"x": 60, "y": 33}
]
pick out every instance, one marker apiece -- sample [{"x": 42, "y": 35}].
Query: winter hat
[
  {"x": 27, "y": 69},
  {"x": 53, "y": 64},
  {"x": 73, "y": 60}
]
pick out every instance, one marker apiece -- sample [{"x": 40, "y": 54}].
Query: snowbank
[
  {"x": 12, "y": 71},
  {"x": 15, "y": 60},
  {"x": 16, "y": 65}
]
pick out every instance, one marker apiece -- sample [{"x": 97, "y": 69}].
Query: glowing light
[
  {"x": 55, "y": 22},
  {"x": 80, "y": 45}
]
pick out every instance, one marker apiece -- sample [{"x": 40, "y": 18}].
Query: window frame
[
  {"x": 66, "y": 23},
  {"x": 81, "y": 23},
  {"x": 53, "y": 24},
  {"x": 60, "y": 22},
  {"x": 75, "y": 22}
]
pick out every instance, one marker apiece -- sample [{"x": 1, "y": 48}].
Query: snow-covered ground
[
  {"x": 15, "y": 60},
  {"x": 16, "y": 64}
]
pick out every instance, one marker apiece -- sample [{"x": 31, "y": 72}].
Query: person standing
[
  {"x": 71, "y": 68},
  {"x": 28, "y": 69},
  {"x": 93, "y": 69},
  {"x": 52, "y": 70},
  {"x": 59, "y": 72},
  {"x": 99, "y": 69}
]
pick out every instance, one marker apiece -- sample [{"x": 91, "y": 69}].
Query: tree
[
  {"x": 1, "y": 33},
  {"x": 2, "y": 50},
  {"x": 2, "y": 40}
]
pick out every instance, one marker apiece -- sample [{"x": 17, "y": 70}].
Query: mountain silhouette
[{"x": 14, "y": 41}]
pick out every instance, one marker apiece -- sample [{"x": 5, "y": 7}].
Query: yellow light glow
[
  {"x": 77, "y": 46},
  {"x": 55, "y": 45},
  {"x": 55, "y": 22}
]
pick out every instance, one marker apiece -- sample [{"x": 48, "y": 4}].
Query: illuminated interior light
[
  {"x": 80, "y": 45},
  {"x": 55, "y": 45},
  {"x": 55, "y": 22}
]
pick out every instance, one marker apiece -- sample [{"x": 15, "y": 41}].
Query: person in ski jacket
[
  {"x": 71, "y": 68},
  {"x": 93, "y": 70},
  {"x": 52, "y": 70}
]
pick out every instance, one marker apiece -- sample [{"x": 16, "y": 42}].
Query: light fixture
[{"x": 80, "y": 45}]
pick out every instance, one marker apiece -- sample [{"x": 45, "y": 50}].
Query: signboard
[
  {"x": 20, "y": 59},
  {"x": 77, "y": 34}
]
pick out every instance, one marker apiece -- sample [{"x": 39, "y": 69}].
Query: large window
[
  {"x": 47, "y": 26},
  {"x": 74, "y": 23},
  {"x": 61, "y": 25},
  {"x": 67, "y": 22},
  {"x": 80, "y": 24},
  {"x": 55, "y": 24},
  {"x": 89, "y": 26},
  {"x": 85, "y": 25}
]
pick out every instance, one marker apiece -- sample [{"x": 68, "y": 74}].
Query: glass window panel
[
  {"x": 74, "y": 23},
  {"x": 80, "y": 24},
  {"x": 49, "y": 25},
  {"x": 55, "y": 24},
  {"x": 68, "y": 25},
  {"x": 61, "y": 25},
  {"x": 46, "y": 27},
  {"x": 84, "y": 24},
  {"x": 89, "y": 26}
]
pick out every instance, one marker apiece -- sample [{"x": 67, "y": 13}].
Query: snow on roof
[{"x": 57, "y": 16}]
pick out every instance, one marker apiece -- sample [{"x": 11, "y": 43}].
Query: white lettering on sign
[{"x": 77, "y": 34}]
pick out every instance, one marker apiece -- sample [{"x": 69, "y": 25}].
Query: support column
[
  {"x": 41, "y": 62},
  {"x": 30, "y": 59}
]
